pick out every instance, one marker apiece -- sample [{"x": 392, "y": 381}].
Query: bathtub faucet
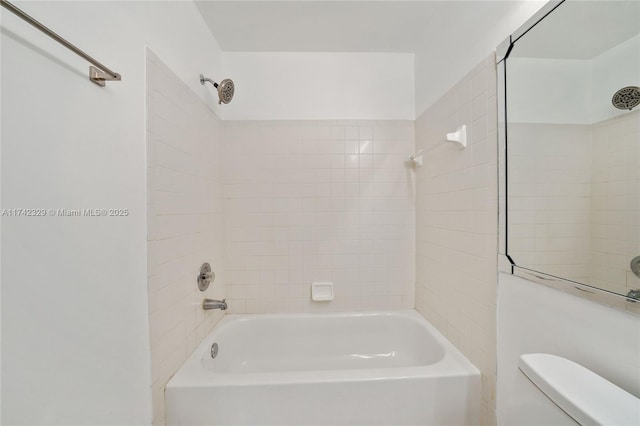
[{"x": 214, "y": 304}]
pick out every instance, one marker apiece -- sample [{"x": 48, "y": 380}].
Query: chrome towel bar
[{"x": 97, "y": 73}]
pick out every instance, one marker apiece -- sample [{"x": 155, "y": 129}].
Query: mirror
[{"x": 572, "y": 156}]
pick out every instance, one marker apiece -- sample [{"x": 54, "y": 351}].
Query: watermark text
[{"x": 85, "y": 212}]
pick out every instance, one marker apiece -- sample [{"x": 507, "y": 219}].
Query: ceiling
[{"x": 348, "y": 26}]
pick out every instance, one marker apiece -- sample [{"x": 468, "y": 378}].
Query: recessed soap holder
[
  {"x": 322, "y": 291},
  {"x": 205, "y": 277}
]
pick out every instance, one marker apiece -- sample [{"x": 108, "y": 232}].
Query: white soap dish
[
  {"x": 459, "y": 136},
  {"x": 322, "y": 291}
]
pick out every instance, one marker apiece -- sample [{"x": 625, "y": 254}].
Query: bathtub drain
[{"x": 214, "y": 350}]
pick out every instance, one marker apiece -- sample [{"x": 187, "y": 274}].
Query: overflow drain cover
[{"x": 214, "y": 350}]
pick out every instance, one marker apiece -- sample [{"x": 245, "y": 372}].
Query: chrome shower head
[
  {"x": 626, "y": 98},
  {"x": 226, "y": 89}
]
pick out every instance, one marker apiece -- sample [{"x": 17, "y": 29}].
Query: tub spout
[{"x": 214, "y": 304}]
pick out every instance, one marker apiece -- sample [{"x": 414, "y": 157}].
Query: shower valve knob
[{"x": 205, "y": 277}]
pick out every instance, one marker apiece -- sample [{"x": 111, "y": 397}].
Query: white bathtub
[{"x": 380, "y": 368}]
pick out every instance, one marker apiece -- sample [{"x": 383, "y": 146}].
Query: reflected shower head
[
  {"x": 626, "y": 98},
  {"x": 226, "y": 89}
]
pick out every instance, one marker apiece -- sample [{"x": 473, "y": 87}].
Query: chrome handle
[
  {"x": 205, "y": 277},
  {"x": 635, "y": 266}
]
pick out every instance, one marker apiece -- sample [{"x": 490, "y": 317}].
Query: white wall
[
  {"x": 456, "y": 226},
  {"x": 431, "y": 82},
  {"x": 328, "y": 200},
  {"x": 74, "y": 319},
  {"x": 318, "y": 86},
  {"x": 185, "y": 224},
  {"x": 587, "y": 162},
  {"x": 535, "y": 318}
]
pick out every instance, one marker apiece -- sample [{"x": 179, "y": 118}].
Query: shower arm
[
  {"x": 225, "y": 89},
  {"x": 203, "y": 79}
]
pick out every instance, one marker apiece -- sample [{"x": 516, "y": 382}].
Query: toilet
[{"x": 562, "y": 392}]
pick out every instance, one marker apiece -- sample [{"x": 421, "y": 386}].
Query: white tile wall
[
  {"x": 615, "y": 202},
  {"x": 550, "y": 197},
  {"x": 313, "y": 201},
  {"x": 185, "y": 224},
  {"x": 456, "y": 223}
]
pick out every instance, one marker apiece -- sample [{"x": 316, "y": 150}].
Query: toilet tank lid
[{"x": 586, "y": 397}]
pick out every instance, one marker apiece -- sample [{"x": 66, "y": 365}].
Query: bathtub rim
[{"x": 192, "y": 373}]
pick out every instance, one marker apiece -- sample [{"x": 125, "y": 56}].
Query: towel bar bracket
[
  {"x": 98, "y": 73},
  {"x": 99, "y": 77}
]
